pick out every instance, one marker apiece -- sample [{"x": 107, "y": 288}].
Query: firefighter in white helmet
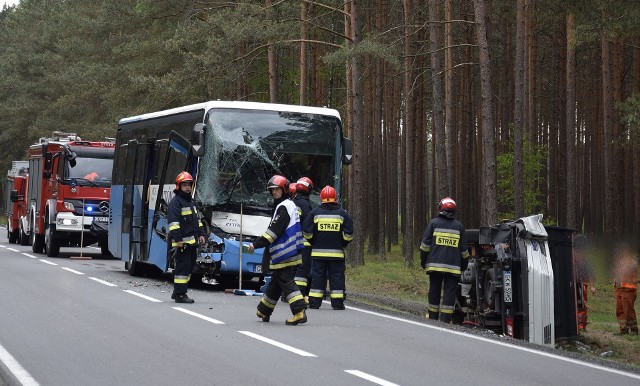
[{"x": 442, "y": 250}]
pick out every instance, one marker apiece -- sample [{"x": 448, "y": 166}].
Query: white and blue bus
[{"x": 231, "y": 149}]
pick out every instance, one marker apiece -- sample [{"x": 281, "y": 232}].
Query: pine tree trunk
[
  {"x": 518, "y": 126},
  {"x": 571, "y": 171},
  {"x": 408, "y": 132},
  {"x": 488, "y": 177},
  {"x": 304, "y": 36}
]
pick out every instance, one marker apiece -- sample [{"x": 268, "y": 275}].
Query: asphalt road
[{"x": 87, "y": 322}]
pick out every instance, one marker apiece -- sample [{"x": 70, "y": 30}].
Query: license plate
[
  {"x": 257, "y": 268},
  {"x": 508, "y": 294},
  {"x": 101, "y": 219}
]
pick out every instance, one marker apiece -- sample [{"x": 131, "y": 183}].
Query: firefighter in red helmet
[
  {"x": 185, "y": 231},
  {"x": 284, "y": 240},
  {"x": 302, "y": 275},
  {"x": 442, "y": 250},
  {"x": 329, "y": 229}
]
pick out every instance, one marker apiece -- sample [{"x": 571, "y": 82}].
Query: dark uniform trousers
[
  {"x": 438, "y": 280},
  {"x": 302, "y": 272},
  {"x": 282, "y": 284},
  {"x": 185, "y": 258},
  {"x": 320, "y": 269}
]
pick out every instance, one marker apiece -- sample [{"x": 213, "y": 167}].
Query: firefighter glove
[{"x": 423, "y": 260}]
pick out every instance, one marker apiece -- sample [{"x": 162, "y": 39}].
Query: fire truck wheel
[
  {"x": 12, "y": 236},
  {"x": 24, "y": 238},
  {"x": 37, "y": 242},
  {"x": 51, "y": 245}
]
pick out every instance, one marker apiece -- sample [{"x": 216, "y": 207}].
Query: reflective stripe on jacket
[
  {"x": 284, "y": 249},
  {"x": 184, "y": 223},
  {"x": 444, "y": 242},
  {"x": 329, "y": 229}
]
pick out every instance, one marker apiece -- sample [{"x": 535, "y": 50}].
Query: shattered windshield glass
[{"x": 244, "y": 148}]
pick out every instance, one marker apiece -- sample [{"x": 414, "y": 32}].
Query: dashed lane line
[
  {"x": 149, "y": 298},
  {"x": 12, "y": 249},
  {"x": 72, "y": 271},
  {"x": 103, "y": 282},
  {"x": 28, "y": 255},
  {"x": 197, "y": 315},
  {"x": 277, "y": 344},
  {"x": 10, "y": 365},
  {"x": 47, "y": 262},
  {"x": 370, "y": 378}
]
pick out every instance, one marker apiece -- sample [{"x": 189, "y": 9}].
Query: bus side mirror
[
  {"x": 197, "y": 139},
  {"x": 14, "y": 196},
  {"x": 347, "y": 151}
]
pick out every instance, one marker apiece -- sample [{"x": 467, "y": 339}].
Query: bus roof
[{"x": 234, "y": 105}]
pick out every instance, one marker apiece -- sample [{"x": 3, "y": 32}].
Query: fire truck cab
[
  {"x": 15, "y": 203},
  {"x": 68, "y": 193}
]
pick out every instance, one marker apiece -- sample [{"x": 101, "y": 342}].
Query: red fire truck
[
  {"x": 68, "y": 193},
  {"x": 15, "y": 202}
]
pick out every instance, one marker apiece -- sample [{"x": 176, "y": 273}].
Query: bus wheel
[
  {"x": 51, "y": 245},
  {"x": 104, "y": 249},
  {"x": 133, "y": 267}
]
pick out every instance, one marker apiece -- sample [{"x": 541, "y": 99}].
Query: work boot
[
  {"x": 338, "y": 307},
  {"x": 300, "y": 317},
  {"x": 265, "y": 318},
  {"x": 182, "y": 298}
]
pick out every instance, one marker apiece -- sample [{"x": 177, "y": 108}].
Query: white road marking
[
  {"x": 370, "y": 378},
  {"x": 16, "y": 369},
  {"x": 12, "y": 249},
  {"x": 505, "y": 344},
  {"x": 149, "y": 298},
  {"x": 102, "y": 282},
  {"x": 72, "y": 271},
  {"x": 2, "y": 246},
  {"x": 28, "y": 255},
  {"x": 47, "y": 262},
  {"x": 208, "y": 319},
  {"x": 278, "y": 344}
]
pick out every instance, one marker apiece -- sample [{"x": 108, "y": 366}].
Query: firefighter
[
  {"x": 302, "y": 275},
  {"x": 185, "y": 230},
  {"x": 442, "y": 251},
  {"x": 293, "y": 191},
  {"x": 284, "y": 241},
  {"x": 626, "y": 288},
  {"x": 584, "y": 279},
  {"x": 329, "y": 229}
]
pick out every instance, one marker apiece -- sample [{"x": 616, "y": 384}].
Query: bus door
[
  {"x": 177, "y": 158},
  {"x": 130, "y": 208}
]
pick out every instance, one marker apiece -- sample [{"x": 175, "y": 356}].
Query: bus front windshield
[
  {"x": 90, "y": 171},
  {"x": 244, "y": 148}
]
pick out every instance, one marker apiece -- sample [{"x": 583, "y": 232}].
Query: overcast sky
[{"x": 8, "y": 2}]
